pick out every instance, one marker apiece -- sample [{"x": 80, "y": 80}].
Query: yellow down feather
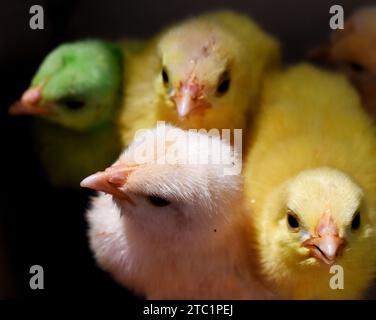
[
  {"x": 212, "y": 42},
  {"x": 312, "y": 119}
]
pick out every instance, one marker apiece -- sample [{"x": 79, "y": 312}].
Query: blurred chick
[
  {"x": 205, "y": 72},
  {"x": 175, "y": 229},
  {"x": 353, "y": 51},
  {"x": 76, "y": 92},
  {"x": 310, "y": 183}
]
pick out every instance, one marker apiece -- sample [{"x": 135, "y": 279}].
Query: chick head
[
  {"x": 76, "y": 86},
  {"x": 316, "y": 219},
  {"x": 162, "y": 184},
  {"x": 207, "y": 68},
  {"x": 353, "y": 50}
]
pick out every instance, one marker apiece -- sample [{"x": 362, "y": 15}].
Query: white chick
[{"x": 170, "y": 226}]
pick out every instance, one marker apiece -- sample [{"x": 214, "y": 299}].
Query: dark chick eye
[
  {"x": 73, "y": 104},
  {"x": 224, "y": 84},
  {"x": 158, "y": 201},
  {"x": 292, "y": 221},
  {"x": 355, "y": 224},
  {"x": 165, "y": 76},
  {"x": 356, "y": 67}
]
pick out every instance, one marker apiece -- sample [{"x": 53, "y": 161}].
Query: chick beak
[
  {"x": 30, "y": 104},
  {"x": 190, "y": 100},
  {"x": 327, "y": 245},
  {"x": 320, "y": 53},
  {"x": 110, "y": 181}
]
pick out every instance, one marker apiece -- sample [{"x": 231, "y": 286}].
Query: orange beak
[
  {"x": 327, "y": 245},
  {"x": 110, "y": 181},
  {"x": 30, "y": 104},
  {"x": 190, "y": 99},
  {"x": 320, "y": 53}
]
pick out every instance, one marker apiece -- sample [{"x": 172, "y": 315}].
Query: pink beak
[
  {"x": 327, "y": 245},
  {"x": 30, "y": 104},
  {"x": 110, "y": 181},
  {"x": 190, "y": 100}
]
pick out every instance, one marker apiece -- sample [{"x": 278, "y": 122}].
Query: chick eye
[
  {"x": 292, "y": 221},
  {"x": 165, "y": 76},
  {"x": 356, "y": 67},
  {"x": 72, "y": 103},
  {"x": 224, "y": 84},
  {"x": 355, "y": 224},
  {"x": 158, "y": 201}
]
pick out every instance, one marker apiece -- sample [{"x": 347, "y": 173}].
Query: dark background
[{"x": 44, "y": 225}]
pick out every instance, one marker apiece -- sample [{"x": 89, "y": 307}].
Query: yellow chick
[
  {"x": 310, "y": 183},
  {"x": 353, "y": 51},
  {"x": 203, "y": 73}
]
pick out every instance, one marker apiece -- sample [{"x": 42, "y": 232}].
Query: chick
[
  {"x": 76, "y": 86},
  {"x": 205, "y": 72},
  {"x": 171, "y": 226},
  {"x": 310, "y": 184},
  {"x": 76, "y": 93},
  {"x": 353, "y": 51}
]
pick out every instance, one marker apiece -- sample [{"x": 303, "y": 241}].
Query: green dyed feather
[{"x": 83, "y": 81}]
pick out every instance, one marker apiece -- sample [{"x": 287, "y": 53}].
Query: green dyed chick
[{"x": 75, "y": 95}]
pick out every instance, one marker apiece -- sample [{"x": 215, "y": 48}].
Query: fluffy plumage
[
  {"x": 311, "y": 169},
  {"x": 76, "y": 93},
  {"x": 205, "y": 72},
  {"x": 173, "y": 230},
  {"x": 77, "y": 85},
  {"x": 353, "y": 51}
]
